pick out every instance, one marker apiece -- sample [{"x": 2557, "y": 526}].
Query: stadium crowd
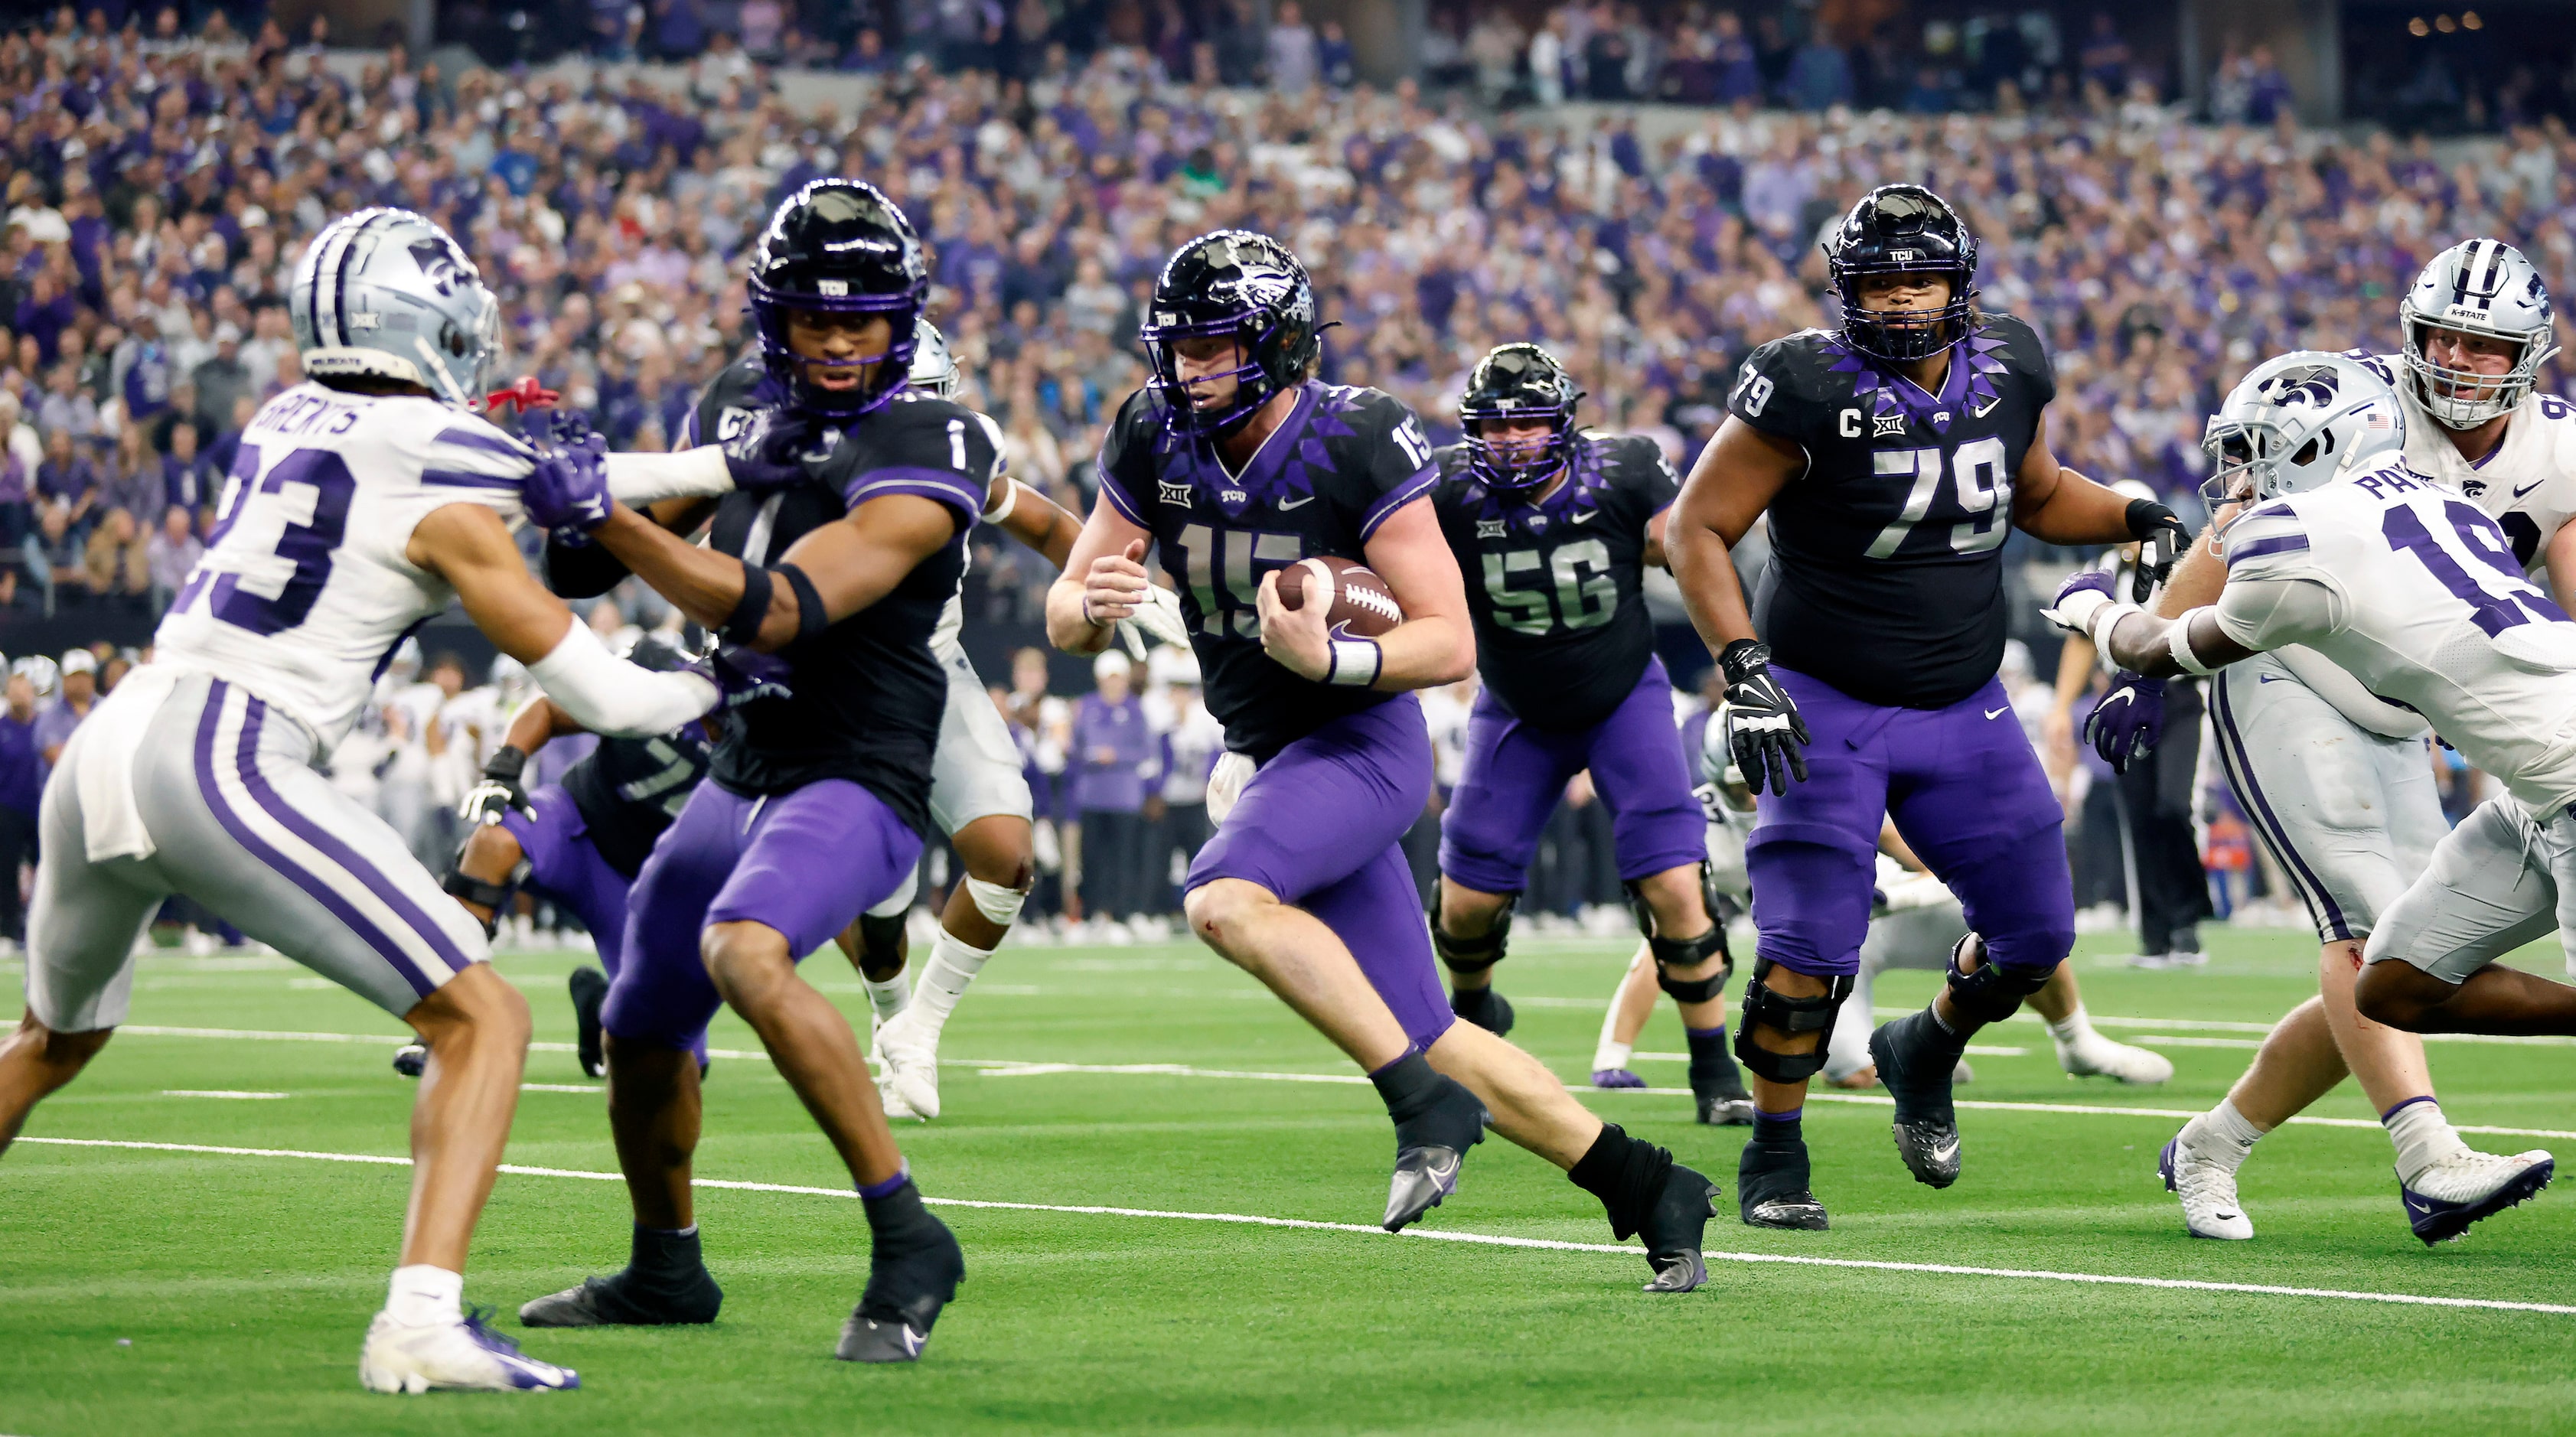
[{"x": 159, "y": 185}]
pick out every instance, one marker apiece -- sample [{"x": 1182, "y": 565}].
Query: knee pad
[
  {"x": 1473, "y": 955},
  {"x": 999, "y": 904},
  {"x": 1671, "y": 953},
  {"x": 881, "y": 937},
  {"x": 1994, "y": 992},
  {"x": 495, "y": 896},
  {"x": 1792, "y": 1016}
]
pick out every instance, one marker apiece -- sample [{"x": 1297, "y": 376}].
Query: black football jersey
[
  {"x": 1320, "y": 485},
  {"x": 628, "y": 790},
  {"x": 868, "y": 696},
  {"x": 1886, "y": 577},
  {"x": 1557, "y": 588}
]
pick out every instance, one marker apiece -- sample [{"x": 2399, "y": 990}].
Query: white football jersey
[
  {"x": 2416, "y": 592},
  {"x": 2527, "y": 484},
  {"x": 304, "y": 593}
]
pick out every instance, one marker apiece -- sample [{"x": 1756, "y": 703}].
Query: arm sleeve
[
  {"x": 612, "y": 697},
  {"x": 581, "y": 571},
  {"x": 2267, "y": 613},
  {"x": 641, "y": 479}
]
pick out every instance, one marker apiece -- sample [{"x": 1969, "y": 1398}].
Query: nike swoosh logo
[
  {"x": 1990, "y": 713},
  {"x": 1284, "y": 505},
  {"x": 2527, "y": 488},
  {"x": 1586, "y": 517},
  {"x": 1443, "y": 1175},
  {"x": 1990, "y": 404},
  {"x": 2269, "y": 679},
  {"x": 2424, "y": 1208},
  {"x": 1946, "y": 1151}
]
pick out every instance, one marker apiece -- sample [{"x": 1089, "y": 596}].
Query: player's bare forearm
[
  {"x": 1104, "y": 574},
  {"x": 1435, "y": 644},
  {"x": 2074, "y": 671},
  {"x": 2072, "y": 510},
  {"x": 1041, "y": 523},
  {"x": 1735, "y": 478},
  {"x": 467, "y": 545},
  {"x": 701, "y": 583},
  {"x": 858, "y": 560},
  {"x": 1655, "y": 558},
  {"x": 2196, "y": 580},
  {"x": 537, "y": 724},
  {"x": 2144, "y": 642}
]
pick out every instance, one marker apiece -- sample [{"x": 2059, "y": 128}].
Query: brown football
[{"x": 1363, "y": 606}]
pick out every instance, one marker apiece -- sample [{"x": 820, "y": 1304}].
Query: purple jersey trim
[
  {"x": 1396, "y": 498},
  {"x": 488, "y": 441},
  {"x": 1119, "y": 500},
  {"x": 2256, "y": 549},
  {"x": 465, "y": 479},
  {"x": 945, "y": 485}
]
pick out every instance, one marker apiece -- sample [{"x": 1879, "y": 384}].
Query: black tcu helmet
[
  {"x": 1231, "y": 282},
  {"x": 839, "y": 246},
  {"x": 1518, "y": 382},
  {"x": 1903, "y": 229}
]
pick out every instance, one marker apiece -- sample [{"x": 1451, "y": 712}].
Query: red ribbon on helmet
[{"x": 527, "y": 394}]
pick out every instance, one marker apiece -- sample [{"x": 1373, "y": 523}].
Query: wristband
[
  {"x": 506, "y": 764},
  {"x": 2104, "y": 618},
  {"x": 2178, "y": 644},
  {"x": 1355, "y": 663},
  {"x": 742, "y": 626},
  {"x": 811, "y": 617}
]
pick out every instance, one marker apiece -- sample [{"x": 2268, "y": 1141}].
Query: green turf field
[{"x": 162, "y": 1292}]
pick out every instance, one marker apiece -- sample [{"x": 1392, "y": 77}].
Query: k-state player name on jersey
[
  {"x": 304, "y": 592},
  {"x": 2415, "y": 592},
  {"x": 868, "y": 694},
  {"x": 628, "y": 790},
  {"x": 1886, "y": 575},
  {"x": 1321, "y": 484},
  {"x": 1557, "y": 588},
  {"x": 2528, "y": 482}
]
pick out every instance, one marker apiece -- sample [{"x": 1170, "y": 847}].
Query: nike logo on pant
[{"x": 1990, "y": 713}]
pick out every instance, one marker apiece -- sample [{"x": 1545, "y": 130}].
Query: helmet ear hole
[{"x": 2307, "y": 453}]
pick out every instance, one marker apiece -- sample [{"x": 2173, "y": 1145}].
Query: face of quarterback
[
  {"x": 2468, "y": 353},
  {"x": 852, "y": 343},
  {"x": 1913, "y": 290},
  {"x": 1207, "y": 363}
]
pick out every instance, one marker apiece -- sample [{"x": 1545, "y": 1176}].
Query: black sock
[
  {"x": 1627, "y": 1175},
  {"x": 1780, "y": 1129},
  {"x": 663, "y": 1258},
  {"x": 1712, "y": 1067},
  {"x": 1408, "y": 1085},
  {"x": 898, "y": 1212}
]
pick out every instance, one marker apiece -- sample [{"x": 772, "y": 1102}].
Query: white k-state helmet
[
  {"x": 386, "y": 294},
  {"x": 2299, "y": 420},
  {"x": 2480, "y": 286},
  {"x": 934, "y": 368}
]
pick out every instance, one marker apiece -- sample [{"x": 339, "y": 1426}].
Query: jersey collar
[
  {"x": 1579, "y": 492},
  {"x": 1897, "y": 403},
  {"x": 1268, "y": 477}
]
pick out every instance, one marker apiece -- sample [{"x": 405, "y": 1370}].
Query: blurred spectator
[
  {"x": 114, "y": 563},
  {"x": 1293, "y": 60},
  {"x": 1112, "y": 749},
  {"x": 22, "y": 780},
  {"x": 67, "y": 483},
  {"x": 79, "y": 695},
  {"x": 174, "y": 549}
]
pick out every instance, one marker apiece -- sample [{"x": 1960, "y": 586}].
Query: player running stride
[
  {"x": 816, "y": 804},
  {"x": 1559, "y": 525},
  {"x": 1891, "y": 457},
  {"x": 2335, "y": 779},
  {"x": 1233, "y": 464},
  {"x": 360, "y": 504}
]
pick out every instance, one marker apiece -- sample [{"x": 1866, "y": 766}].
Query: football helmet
[
  {"x": 1518, "y": 382},
  {"x": 934, "y": 368},
  {"x": 386, "y": 294},
  {"x": 2299, "y": 420},
  {"x": 841, "y": 247},
  {"x": 1902, "y": 229},
  {"x": 1240, "y": 284},
  {"x": 2483, "y": 287}
]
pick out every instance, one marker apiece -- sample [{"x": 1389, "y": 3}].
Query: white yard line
[
  {"x": 562, "y": 1088},
  {"x": 216, "y": 1093},
  {"x": 2183, "y": 1284}
]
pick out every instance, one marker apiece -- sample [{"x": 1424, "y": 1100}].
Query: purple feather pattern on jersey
[{"x": 1968, "y": 386}]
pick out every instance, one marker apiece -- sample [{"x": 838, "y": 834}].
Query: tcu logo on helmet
[
  {"x": 439, "y": 261},
  {"x": 2313, "y": 386}
]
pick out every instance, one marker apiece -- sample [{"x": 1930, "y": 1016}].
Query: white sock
[
  {"x": 2422, "y": 1135},
  {"x": 1611, "y": 1055},
  {"x": 2224, "y": 1134},
  {"x": 425, "y": 1296},
  {"x": 887, "y": 998},
  {"x": 953, "y": 964},
  {"x": 2075, "y": 1028},
  {"x": 1610, "y": 1052}
]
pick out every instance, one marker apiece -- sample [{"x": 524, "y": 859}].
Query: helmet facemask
[
  {"x": 2465, "y": 398},
  {"x": 1254, "y": 384},
  {"x": 881, "y": 376}
]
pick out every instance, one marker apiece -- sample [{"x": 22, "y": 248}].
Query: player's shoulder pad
[
  {"x": 918, "y": 444},
  {"x": 2386, "y": 366},
  {"x": 2020, "y": 347},
  {"x": 738, "y": 391},
  {"x": 1368, "y": 413},
  {"x": 1451, "y": 460},
  {"x": 1786, "y": 386},
  {"x": 2277, "y": 533},
  {"x": 457, "y": 449}
]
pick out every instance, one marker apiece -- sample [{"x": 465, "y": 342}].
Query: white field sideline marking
[
  {"x": 1974, "y": 1050},
  {"x": 2228, "y": 1025},
  {"x": 1011, "y": 1068},
  {"x": 562, "y": 1088},
  {"x": 1482, "y": 1239},
  {"x": 215, "y": 1093}
]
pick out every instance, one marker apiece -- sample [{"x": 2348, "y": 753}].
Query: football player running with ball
[
  {"x": 1554, "y": 528},
  {"x": 1234, "y": 464},
  {"x": 1891, "y": 456}
]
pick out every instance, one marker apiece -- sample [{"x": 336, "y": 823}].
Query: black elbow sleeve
[{"x": 581, "y": 571}]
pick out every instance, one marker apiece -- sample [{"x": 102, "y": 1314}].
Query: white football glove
[{"x": 1156, "y": 621}]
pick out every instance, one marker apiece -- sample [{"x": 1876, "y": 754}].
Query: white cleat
[
  {"x": 2208, "y": 1192},
  {"x": 2093, "y": 1056},
  {"x": 454, "y": 1356},
  {"x": 2457, "y": 1191},
  {"x": 907, "y": 1064}
]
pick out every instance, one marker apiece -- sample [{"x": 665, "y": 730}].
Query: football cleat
[
  {"x": 1916, "y": 1071},
  {"x": 911, "y": 1275},
  {"x": 466, "y": 1355},
  {"x": 618, "y": 1301},
  {"x": 1725, "y": 1110},
  {"x": 1483, "y": 1007},
  {"x": 2468, "y": 1185},
  {"x": 1771, "y": 1188},
  {"x": 589, "y": 992},
  {"x": 411, "y": 1059},
  {"x": 1616, "y": 1078},
  {"x": 1430, "y": 1147},
  {"x": 906, "y": 1060},
  {"x": 2207, "y": 1188},
  {"x": 1673, "y": 1231},
  {"x": 2093, "y": 1056}
]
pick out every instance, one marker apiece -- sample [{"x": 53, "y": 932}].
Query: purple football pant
[
  {"x": 1516, "y": 774},
  {"x": 1321, "y": 827},
  {"x": 1966, "y": 791},
  {"x": 565, "y": 870},
  {"x": 804, "y": 863}
]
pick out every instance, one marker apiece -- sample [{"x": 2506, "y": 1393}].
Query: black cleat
[
  {"x": 1771, "y": 1188},
  {"x": 411, "y": 1059},
  {"x": 589, "y": 991},
  {"x": 1725, "y": 1109},
  {"x": 1915, "y": 1061},
  {"x": 1483, "y": 1007},
  {"x": 1673, "y": 1231},
  {"x": 913, "y": 1273},
  {"x": 621, "y": 1301},
  {"x": 1430, "y": 1147}
]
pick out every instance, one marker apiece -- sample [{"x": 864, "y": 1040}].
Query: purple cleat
[{"x": 1616, "y": 1078}]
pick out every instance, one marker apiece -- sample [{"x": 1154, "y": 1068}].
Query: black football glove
[
  {"x": 499, "y": 793},
  {"x": 1763, "y": 729},
  {"x": 2161, "y": 540},
  {"x": 769, "y": 453}
]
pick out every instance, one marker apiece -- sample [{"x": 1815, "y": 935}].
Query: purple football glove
[
  {"x": 769, "y": 453},
  {"x": 744, "y": 676},
  {"x": 2125, "y": 725},
  {"x": 2079, "y": 598},
  {"x": 568, "y": 489}
]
